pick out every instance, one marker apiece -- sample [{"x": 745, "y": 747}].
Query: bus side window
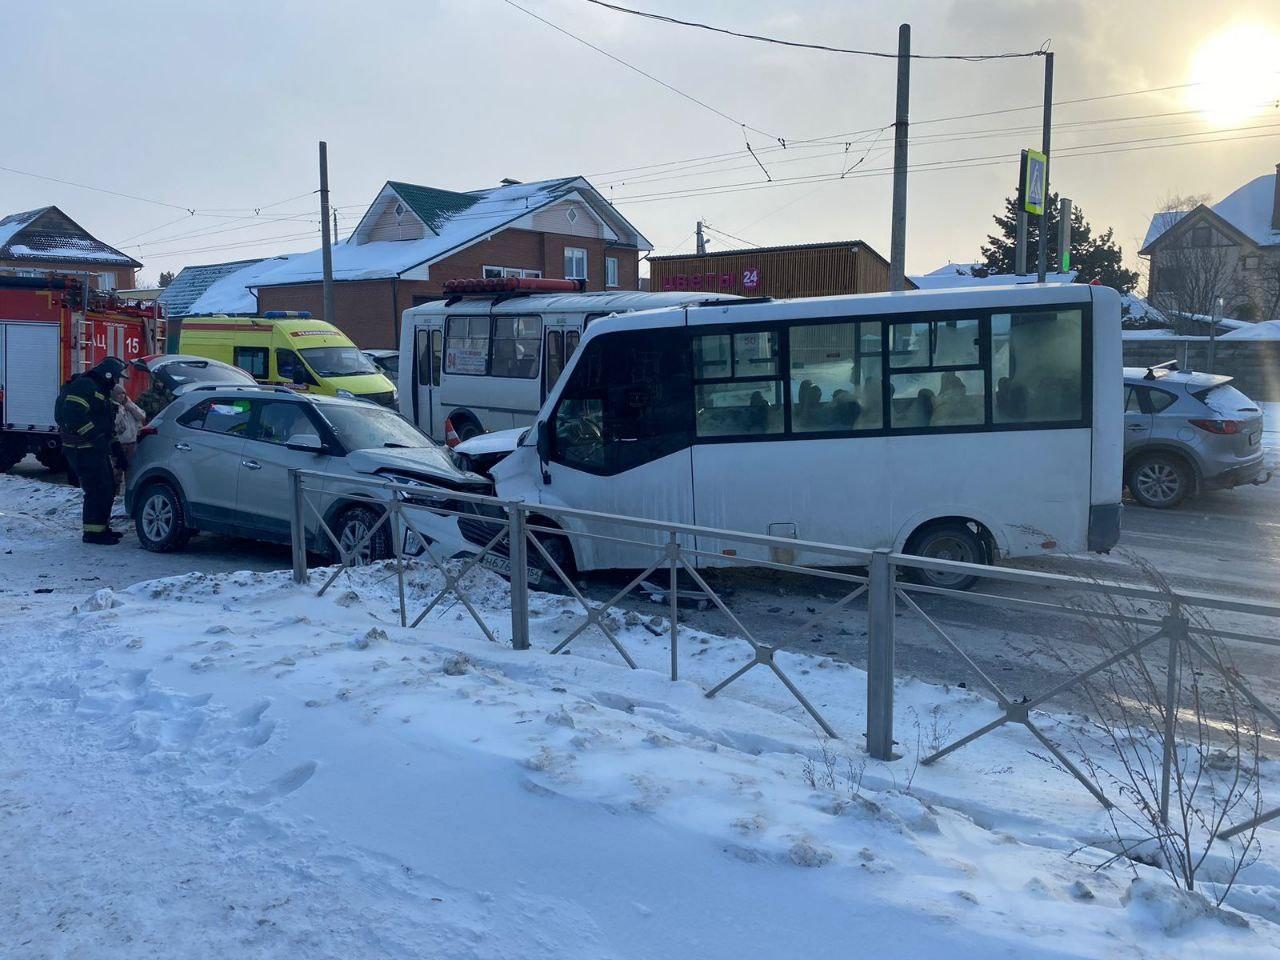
[
  {"x": 571, "y": 340},
  {"x": 1037, "y": 366},
  {"x": 252, "y": 360},
  {"x": 437, "y": 355}
]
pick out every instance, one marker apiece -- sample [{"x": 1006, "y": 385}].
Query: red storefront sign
[{"x": 712, "y": 282}]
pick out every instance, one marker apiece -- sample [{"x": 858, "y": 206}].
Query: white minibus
[
  {"x": 966, "y": 424},
  {"x": 484, "y": 359}
]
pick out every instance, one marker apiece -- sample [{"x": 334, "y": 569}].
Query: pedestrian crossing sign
[{"x": 1034, "y": 167}]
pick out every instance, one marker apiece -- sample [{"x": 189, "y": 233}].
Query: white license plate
[{"x": 502, "y": 566}]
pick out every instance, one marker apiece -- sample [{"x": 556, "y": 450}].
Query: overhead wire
[{"x": 891, "y": 55}]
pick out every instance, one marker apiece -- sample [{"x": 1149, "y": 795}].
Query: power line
[
  {"x": 235, "y": 246},
  {"x": 630, "y": 66},
  {"x": 730, "y": 236},
  {"x": 816, "y": 46}
]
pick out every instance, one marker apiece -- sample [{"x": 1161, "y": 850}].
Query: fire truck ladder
[{"x": 80, "y": 345}]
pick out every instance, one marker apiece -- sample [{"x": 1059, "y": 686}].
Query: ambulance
[{"x": 291, "y": 349}]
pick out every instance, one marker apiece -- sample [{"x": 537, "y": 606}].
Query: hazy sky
[{"x": 217, "y": 107}]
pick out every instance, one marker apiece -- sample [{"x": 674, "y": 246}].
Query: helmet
[{"x": 110, "y": 371}]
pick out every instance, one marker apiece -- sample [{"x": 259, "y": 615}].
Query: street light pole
[
  {"x": 1043, "y": 263},
  {"x": 325, "y": 240},
  {"x": 898, "y": 235}
]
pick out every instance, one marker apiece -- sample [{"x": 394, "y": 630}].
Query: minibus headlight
[{"x": 346, "y": 395}]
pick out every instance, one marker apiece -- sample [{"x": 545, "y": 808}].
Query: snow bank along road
[{"x": 222, "y": 764}]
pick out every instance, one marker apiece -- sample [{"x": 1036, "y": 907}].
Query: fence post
[
  {"x": 519, "y": 551},
  {"x": 673, "y": 600},
  {"x": 397, "y": 549},
  {"x": 298, "y": 529},
  {"x": 880, "y": 615},
  {"x": 1176, "y": 629}
]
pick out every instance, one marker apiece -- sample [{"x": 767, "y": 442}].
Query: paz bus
[
  {"x": 966, "y": 424},
  {"x": 484, "y": 356}
]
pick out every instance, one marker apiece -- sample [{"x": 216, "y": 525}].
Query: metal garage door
[{"x": 31, "y": 381}]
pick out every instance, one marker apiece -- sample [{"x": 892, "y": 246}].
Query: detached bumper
[{"x": 1104, "y": 526}]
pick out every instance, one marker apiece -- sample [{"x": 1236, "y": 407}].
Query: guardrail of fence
[{"x": 516, "y": 533}]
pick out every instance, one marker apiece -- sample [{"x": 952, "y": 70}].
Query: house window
[
  {"x": 496, "y": 273},
  {"x": 1249, "y": 262},
  {"x": 1201, "y": 236},
  {"x": 610, "y": 271},
  {"x": 106, "y": 281},
  {"x": 575, "y": 263}
]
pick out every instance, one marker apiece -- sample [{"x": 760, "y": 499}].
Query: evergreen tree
[
  {"x": 166, "y": 277},
  {"x": 1093, "y": 258}
]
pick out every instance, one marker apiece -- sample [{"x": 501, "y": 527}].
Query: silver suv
[
  {"x": 1187, "y": 432},
  {"x": 218, "y": 459}
]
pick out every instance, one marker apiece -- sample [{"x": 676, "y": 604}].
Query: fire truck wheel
[
  {"x": 52, "y": 458},
  {"x": 11, "y": 452}
]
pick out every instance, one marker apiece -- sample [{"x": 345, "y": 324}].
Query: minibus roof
[
  {"x": 706, "y": 311},
  {"x": 605, "y": 301}
]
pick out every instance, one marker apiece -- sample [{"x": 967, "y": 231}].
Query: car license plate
[{"x": 502, "y": 567}]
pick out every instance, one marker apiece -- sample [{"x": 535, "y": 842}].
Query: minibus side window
[
  {"x": 936, "y": 374},
  {"x": 738, "y": 386},
  {"x": 1037, "y": 366},
  {"x": 437, "y": 355},
  {"x": 424, "y": 357},
  {"x": 836, "y": 379},
  {"x": 252, "y": 360},
  {"x": 555, "y": 360}
]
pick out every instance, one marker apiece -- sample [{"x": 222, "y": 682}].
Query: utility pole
[
  {"x": 1213, "y": 332},
  {"x": 1020, "y": 243},
  {"x": 702, "y": 241},
  {"x": 335, "y": 226},
  {"x": 1064, "y": 235},
  {"x": 1043, "y": 266},
  {"x": 326, "y": 245},
  {"x": 898, "y": 235}
]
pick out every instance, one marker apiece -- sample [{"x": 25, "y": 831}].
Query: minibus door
[{"x": 428, "y": 351}]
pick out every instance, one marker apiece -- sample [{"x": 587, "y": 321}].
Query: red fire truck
[{"x": 50, "y": 329}]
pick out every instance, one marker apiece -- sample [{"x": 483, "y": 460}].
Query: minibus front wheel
[{"x": 954, "y": 539}]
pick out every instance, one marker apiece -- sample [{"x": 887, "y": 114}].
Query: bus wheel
[
  {"x": 560, "y": 551},
  {"x": 465, "y": 428},
  {"x": 950, "y": 540}
]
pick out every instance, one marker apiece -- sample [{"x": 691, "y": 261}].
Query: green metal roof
[{"x": 434, "y": 207}]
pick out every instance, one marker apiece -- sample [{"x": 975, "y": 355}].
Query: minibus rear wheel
[{"x": 948, "y": 540}]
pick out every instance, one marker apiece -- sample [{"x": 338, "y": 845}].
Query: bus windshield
[{"x": 337, "y": 361}]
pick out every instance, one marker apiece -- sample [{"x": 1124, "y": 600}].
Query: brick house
[
  {"x": 1228, "y": 251},
  {"x": 45, "y": 241},
  {"x": 414, "y": 238}
]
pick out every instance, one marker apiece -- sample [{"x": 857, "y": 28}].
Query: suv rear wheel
[
  {"x": 1159, "y": 480},
  {"x": 159, "y": 519}
]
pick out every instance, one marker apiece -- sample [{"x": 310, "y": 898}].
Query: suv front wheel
[
  {"x": 352, "y": 531},
  {"x": 160, "y": 521},
  {"x": 1159, "y": 480}
]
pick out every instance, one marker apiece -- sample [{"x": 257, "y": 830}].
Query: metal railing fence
[{"x": 523, "y": 534}]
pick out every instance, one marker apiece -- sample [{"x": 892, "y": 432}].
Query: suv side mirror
[
  {"x": 305, "y": 443},
  {"x": 544, "y": 441}
]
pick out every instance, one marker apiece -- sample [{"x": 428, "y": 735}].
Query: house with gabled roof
[
  {"x": 1228, "y": 250},
  {"x": 413, "y": 238},
  {"x": 46, "y": 241}
]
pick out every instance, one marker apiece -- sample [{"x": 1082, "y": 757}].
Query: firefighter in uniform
[{"x": 86, "y": 418}]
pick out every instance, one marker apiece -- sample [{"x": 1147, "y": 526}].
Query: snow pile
[
  {"x": 206, "y": 766},
  {"x": 1266, "y": 330}
]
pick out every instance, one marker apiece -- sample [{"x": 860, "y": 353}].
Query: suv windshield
[
  {"x": 361, "y": 427},
  {"x": 337, "y": 361}
]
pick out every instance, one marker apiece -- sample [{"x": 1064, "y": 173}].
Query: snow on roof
[
  {"x": 15, "y": 222},
  {"x": 1266, "y": 330},
  {"x": 959, "y": 275},
  {"x": 230, "y": 292},
  {"x": 455, "y": 225},
  {"x": 192, "y": 282},
  {"x": 1249, "y": 209}
]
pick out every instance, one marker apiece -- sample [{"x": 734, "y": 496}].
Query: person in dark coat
[{"x": 86, "y": 417}]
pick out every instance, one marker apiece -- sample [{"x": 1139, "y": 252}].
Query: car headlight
[
  {"x": 346, "y": 394},
  {"x": 395, "y": 395}
]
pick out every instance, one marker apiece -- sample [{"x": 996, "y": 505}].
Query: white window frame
[
  {"x": 570, "y": 268},
  {"x": 1250, "y": 262},
  {"x": 107, "y": 280},
  {"x": 611, "y": 271},
  {"x": 491, "y": 272}
]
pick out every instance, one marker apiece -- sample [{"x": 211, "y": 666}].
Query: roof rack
[
  {"x": 1158, "y": 370},
  {"x": 740, "y": 301},
  {"x": 266, "y": 387}
]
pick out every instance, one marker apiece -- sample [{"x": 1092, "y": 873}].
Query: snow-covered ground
[{"x": 216, "y": 765}]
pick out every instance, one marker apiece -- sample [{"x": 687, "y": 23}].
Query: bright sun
[{"x": 1236, "y": 74}]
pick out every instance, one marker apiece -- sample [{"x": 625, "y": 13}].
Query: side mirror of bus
[{"x": 544, "y": 441}]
